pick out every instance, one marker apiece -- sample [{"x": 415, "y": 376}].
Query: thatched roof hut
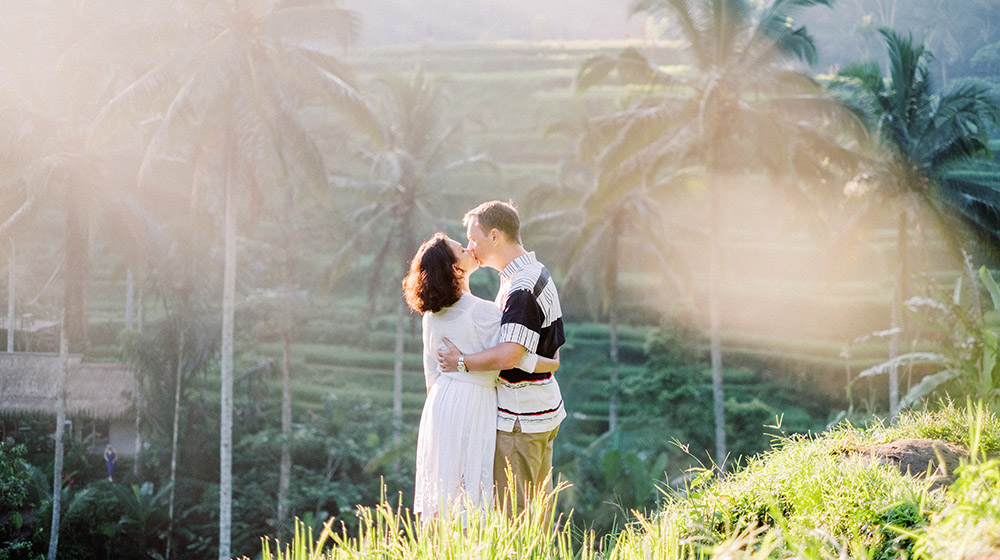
[{"x": 28, "y": 385}]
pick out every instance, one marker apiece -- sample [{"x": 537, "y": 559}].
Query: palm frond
[
  {"x": 439, "y": 148},
  {"x": 314, "y": 26},
  {"x": 692, "y": 22},
  {"x": 301, "y": 160},
  {"x": 19, "y": 215},
  {"x": 326, "y": 78},
  {"x": 777, "y": 25},
  {"x": 861, "y": 80},
  {"x": 629, "y": 132},
  {"x": 160, "y": 139},
  {"x": 342, "y": 259},
  {"x": 908, "y": 72},
  {"x": 798, "y": 44},
  {"x": 974, "y": 192},
  {"x": 960, "y": 127},
  {"x": 667, "y": 151},
  {"x": 133, "y": 99},
  {"x": 593, "y": 72},
  {"x": 730, "y": 23}
]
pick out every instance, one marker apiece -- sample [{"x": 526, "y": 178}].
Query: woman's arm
[
  {"x": 547, "y": 365},
  {"x": 430, "y": 361}
]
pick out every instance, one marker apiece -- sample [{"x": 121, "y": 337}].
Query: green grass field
[{"x": 813, "y": 497}]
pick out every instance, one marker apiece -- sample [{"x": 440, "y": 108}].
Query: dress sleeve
[
  {"x": 486, "y": 319},
  {"x": 430, "y": 353}
]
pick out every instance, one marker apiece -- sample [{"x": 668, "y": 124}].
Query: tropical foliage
[
  {"x": 740, "y": 107},
  {"x": 921, "y": 136},
  {"x": 228, "y": 84},
  {"x": 960, "y": 338}
]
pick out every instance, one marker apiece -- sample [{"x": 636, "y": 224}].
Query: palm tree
[
  {"x": 920, "y": 135},
  {"x": 418, "y": 149},
  {"x": 25, "y": 181},
  {"x": 594, "y": 230},
  {"x": 55, "y": 97},
  {"x": 55, "y": 124},
  {"x": 740, "y": 107},
  {"x": 597, "y": 242},
  {"x": 231, "y": 89}
]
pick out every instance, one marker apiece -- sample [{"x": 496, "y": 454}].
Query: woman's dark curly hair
[{"x": 432, "y": 283}]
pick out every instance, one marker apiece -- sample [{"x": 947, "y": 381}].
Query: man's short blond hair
[{"x": 497, "y": 214}]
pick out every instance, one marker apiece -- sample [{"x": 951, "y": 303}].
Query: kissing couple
[{"x": 493, "y": 403}]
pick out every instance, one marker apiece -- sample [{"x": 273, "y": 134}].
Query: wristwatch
[{"x": 461, "y": 364}]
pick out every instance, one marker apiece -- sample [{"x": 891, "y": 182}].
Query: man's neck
[{"x": 507, "y": 256}]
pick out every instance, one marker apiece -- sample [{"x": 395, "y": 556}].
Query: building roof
[{"x": 28, "y": 384}]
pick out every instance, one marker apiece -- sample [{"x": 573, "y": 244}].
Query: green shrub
[{"x": 18, "y": 503}]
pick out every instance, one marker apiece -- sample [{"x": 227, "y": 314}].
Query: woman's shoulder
[{"x": 481, "y": 306}]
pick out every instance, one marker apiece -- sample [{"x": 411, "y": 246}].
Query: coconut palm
[
  {"x": 54, "y": 126},
  {"x": 594, "y": 230},
  {"x": 597, "y": 240},
  {"x": 25, "y": 180},
  {"x": 739, "y": 106},
  {"x": 231, "y": 89},
  {"x": 50, "y": 92},
  {"x": 921, "y": 135},
  {"x": 420, "y": 143}
]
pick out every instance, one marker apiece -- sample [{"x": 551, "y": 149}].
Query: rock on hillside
[{"x": 918, "y": 457}]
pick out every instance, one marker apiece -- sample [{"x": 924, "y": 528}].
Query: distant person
[
  {"x": 529, "y": 404},
  {"x": 110, "y": 456},
  {"x": 457, "y": 438}
]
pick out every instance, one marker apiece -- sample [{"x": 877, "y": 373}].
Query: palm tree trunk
[
  {"x": 140, "y": 316},
  {"x": 226, "y": 399},
  {"x": 178, "y": 380},
  {"x": 184, "y": 312},
  {"x": 397, "y": 380},
  {"x": 898, "y": 319},
  {"x": 612, "y": 286},
  {"x": 140, "y": 404},
  {"x": 715, "y": 335},
  {"x": 11, "y": 308},
  {"x": 285, "y": 472},
  {"x": 129, "y": 299},
  {"x": 76, "y": 268},
  {"x": 60, "y": 426}
]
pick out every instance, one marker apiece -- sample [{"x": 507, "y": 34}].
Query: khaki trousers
[{"x": 529, "y": 457}]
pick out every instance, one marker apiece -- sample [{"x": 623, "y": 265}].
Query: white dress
[{"x": 457, "y": 435}]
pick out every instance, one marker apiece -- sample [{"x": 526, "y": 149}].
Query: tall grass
[
  {"x": 393, "y": 532},
  {"x": 810, "y": 497}
]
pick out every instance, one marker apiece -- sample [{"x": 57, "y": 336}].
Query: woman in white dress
[{"x": 457, "y": 436}]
